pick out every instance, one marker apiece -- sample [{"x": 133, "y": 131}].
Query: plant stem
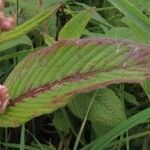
[
  {"x": 22, "y": 138},
  {"x": 17, "y": 11},
  {"x": 105, "y": 8},
  {"x": 84, "y": 122},
  {"x": 127, "y": 141}
]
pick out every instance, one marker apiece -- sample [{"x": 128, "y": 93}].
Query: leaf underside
[{"x": 47, "y": 79}]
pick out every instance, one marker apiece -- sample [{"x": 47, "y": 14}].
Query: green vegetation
[{"x": 77, "y": 75}]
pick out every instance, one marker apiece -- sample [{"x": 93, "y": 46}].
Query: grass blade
[
  {"x": 100, "y": 144},
  {"x": 133, "y": 14}
]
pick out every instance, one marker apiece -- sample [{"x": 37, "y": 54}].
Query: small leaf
[
  {"x": 75, "y": 27},
  {"x": 130, "y": 99},
  {"x": 60, "y": 122}
]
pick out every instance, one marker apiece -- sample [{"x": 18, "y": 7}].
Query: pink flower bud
[
  {"x": 4, "y": 98},
  {"x": 12, "y": 20},
  {"x": 2, "y": 16},
  {"x": 1, "y": 4},
  {"x": 5, "y": 25}
]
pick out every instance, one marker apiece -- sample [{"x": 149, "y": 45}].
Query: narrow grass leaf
[
  {"x": 23, "y": 40},
  {"x": 133, "y": 14},
  {"x": 100, "y": 144},
  {"x": 22, "y": 138}
]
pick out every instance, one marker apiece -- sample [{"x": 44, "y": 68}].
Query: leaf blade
[
  {"x": 46, "y": 80},
  {"x": 74, "y": 29}
]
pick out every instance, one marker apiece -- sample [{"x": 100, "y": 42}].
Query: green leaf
[
  {"x": 131, "y": 99},
  {"x": 137, "y": 17},
  {"x": 120, "y": 33},
  {"x": 146, "y": 87},
  {"x": 99, "y": 130},
  {"x": 100, "y": 144},
  {"x": 96, "y": 16},
  {"x": 46, "y": 79},
  {"x": 75, "y": 27},
  {"x": 28, "y": 26},
  {"x": 60, "y": 122},
  {"x": 142, "y": 4},
  {"x": 24, "y": 40},
  {"x": 137, "y": 33},
  {"x": 107, "y": 108},
  {"x": 17, "y": 54},
  {"x": 17, "y": 146},
  {"x": 48, "y": 39}
]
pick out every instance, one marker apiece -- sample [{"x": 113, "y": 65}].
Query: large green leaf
[
  {"x": 46, "y": 79},
  {"x": 107, "y": 108}
]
